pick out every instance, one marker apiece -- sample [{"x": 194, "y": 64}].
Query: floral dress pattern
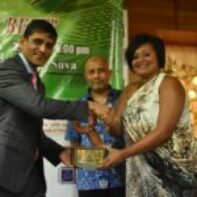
[{"x": 169, "y": 170}]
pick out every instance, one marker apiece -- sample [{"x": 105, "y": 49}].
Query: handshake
[{"x": 101, "y": 111}]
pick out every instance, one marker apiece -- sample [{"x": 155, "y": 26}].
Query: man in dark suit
[{"x": 22, "y": 108}]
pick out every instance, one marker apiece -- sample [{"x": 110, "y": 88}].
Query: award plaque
[{"x": 89, "y": 157}]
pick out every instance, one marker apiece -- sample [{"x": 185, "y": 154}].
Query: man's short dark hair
[
  {"x": 140, "y": 39},
  {"x": 39, "y": 25}
]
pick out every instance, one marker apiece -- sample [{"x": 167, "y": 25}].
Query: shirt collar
[
  {"x": 26, "y": 64},
  {"x": 110, "y": 95}
]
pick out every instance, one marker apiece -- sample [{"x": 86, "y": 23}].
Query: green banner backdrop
[{"x": 85, "y": 28}]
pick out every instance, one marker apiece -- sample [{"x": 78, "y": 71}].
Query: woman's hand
[
  {"x": 114, "y": 158},
  {"x": 109, "y": 118}
]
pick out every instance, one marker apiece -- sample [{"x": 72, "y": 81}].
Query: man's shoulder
[
  {"x": 85, "y": 96},
  {"x": 10, "y": 62},
  {"x": 115, "y": 93}
]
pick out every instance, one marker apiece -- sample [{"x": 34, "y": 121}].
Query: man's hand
[
  {"x": 84, "y": 129},
  {"x": 66, "y": 157}
]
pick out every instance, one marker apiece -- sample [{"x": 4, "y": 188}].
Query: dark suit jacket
[{"x": 21, "y": 111}]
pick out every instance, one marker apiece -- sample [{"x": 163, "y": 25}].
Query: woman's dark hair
[
  {"x": 140, "y": 39},
  {"x": 39, "y": 25}
]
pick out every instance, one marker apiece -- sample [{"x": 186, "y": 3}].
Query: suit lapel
[{"x": 20, "y": 63}]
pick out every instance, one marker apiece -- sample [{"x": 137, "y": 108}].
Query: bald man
[{"x": 105, "y": 183}]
